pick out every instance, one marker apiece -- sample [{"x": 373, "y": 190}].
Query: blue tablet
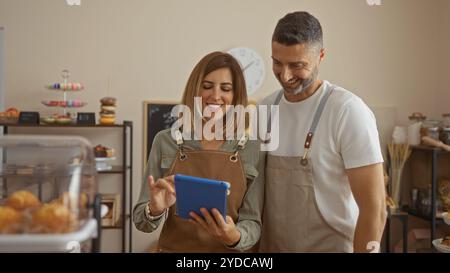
[{"x": 194, "y": 193}]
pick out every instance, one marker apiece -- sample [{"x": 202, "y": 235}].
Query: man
[{"x": 324, "y": 182}]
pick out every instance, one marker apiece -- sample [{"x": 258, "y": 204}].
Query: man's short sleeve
[{"x": 357, "y": 135}]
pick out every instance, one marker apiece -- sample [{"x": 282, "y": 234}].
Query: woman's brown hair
[{"x": 211, "y": 62}]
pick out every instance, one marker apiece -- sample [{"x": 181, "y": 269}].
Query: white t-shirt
[{"x": 346, "y": 137}]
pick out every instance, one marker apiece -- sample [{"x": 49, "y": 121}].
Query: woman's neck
[{"x": 211, "y": 144}]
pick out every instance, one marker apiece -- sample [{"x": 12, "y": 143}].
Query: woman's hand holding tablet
[{"x": 224, "y": 231}]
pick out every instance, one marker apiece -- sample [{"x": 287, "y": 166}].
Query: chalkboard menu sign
[
  {"x": 157, "y": 118},
  {"x": 29, "y": 118},
  {"x": 86, "y": 118}
]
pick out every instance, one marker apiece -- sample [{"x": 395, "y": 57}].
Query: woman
[{"x": 219, "y": 81}]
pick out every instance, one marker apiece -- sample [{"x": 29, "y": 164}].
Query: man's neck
[{"x": 305, "y": 94}]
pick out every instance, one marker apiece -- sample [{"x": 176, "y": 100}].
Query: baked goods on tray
[
  {"x": 53, "y": 218},
  {"x": 21, "y": 200},
  {"x": 446, "y": 241},
  {"x": 103, "y": 151},
  {"x": 10, "y": 116},
  {"x": 24, "y": 213},
  {"x": 62, "y": 103},
  {"x": 10, "y": 220}
]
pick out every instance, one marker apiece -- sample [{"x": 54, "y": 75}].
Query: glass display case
[{"x": 48, "y": 195}]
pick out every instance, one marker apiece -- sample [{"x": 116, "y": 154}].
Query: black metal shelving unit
[
  {"x": 403, "y": 218},
  {"x": 435, "y": 153},
  {"x": 126, "y": 169}
]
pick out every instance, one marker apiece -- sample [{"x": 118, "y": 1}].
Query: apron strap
[
  {"x": 239, "y": 146},
  {"x": 179, "y": 137},
  {"x": 317, "y": 116},
  {"x": 315, "y": 122},
  {"x": 270, "y": 114},
  {"x": 180, "y": 142},
  {"x": 242, "y": 142}
]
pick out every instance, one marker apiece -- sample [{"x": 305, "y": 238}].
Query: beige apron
[
  {"x": 179, "y": 235},
  {"x": 292, "y": 221}
]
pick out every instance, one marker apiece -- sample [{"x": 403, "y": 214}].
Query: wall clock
[{"x": 252, "y": 65}]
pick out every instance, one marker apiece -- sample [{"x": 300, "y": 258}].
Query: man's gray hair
[{"x": 298, "y": 27}]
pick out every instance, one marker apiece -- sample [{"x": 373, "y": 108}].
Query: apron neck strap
[
  {"x": 180, "y": 142},
  {"x": 269, "y": 119},
  {"x": 242, "y": 141},
  {"x": 179, "y": 138},
  {"x": 317, "y": 116}
]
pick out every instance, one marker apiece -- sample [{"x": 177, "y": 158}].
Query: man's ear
[{"x": 322, "y": 54}]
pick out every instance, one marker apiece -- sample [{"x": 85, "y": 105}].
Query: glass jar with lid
[
  {"x": 446, "y": 117},
  {"x": 417, "y": 117},
  {"x": 414, "y": 128},
  {"x": 431, "y": 128},
  {"x": 446, "y": 135}
]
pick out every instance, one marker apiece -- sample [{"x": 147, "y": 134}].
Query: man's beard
[{"x": 306, "y": 83}]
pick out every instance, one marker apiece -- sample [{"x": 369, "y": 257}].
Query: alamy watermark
[
  {"x": 373, "y": 2},
  {"x": 73, "y": 2},
  {"x": 211, "y": 123},
  {"x": 373, "y": 247}
]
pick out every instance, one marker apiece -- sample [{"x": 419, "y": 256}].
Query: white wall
[
  {"x": 385, "y": 54},
  {"x": 443, "y": 94},
  {"x": 2, "y": 69}
]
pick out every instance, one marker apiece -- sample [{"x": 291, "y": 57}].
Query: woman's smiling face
[{"x": 216, "y": 90}]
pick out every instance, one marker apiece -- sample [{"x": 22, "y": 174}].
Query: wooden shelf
[
  {"x": 63, "y": 126},
  {"x": 119, "y": 223},
  {"x": 422, "y": 216},
  {"x": 118, "y": 226},
  {"x": 115, "y": 169},
  {"x": 429, "y": 148}
]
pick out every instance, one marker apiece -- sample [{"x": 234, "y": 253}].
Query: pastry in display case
[{"x": 48, "y": 194}]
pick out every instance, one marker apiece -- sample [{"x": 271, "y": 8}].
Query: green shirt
[{"x": 163, "y": 153}]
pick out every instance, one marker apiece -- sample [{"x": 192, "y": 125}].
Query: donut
[
  {"x": 108, "y": 108},
  {"x": 109, "y": 101},
  {"x": 106, "y": 112},
  {"x": 105, "y": 120},
  {"x": 110, "y": 116}
]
